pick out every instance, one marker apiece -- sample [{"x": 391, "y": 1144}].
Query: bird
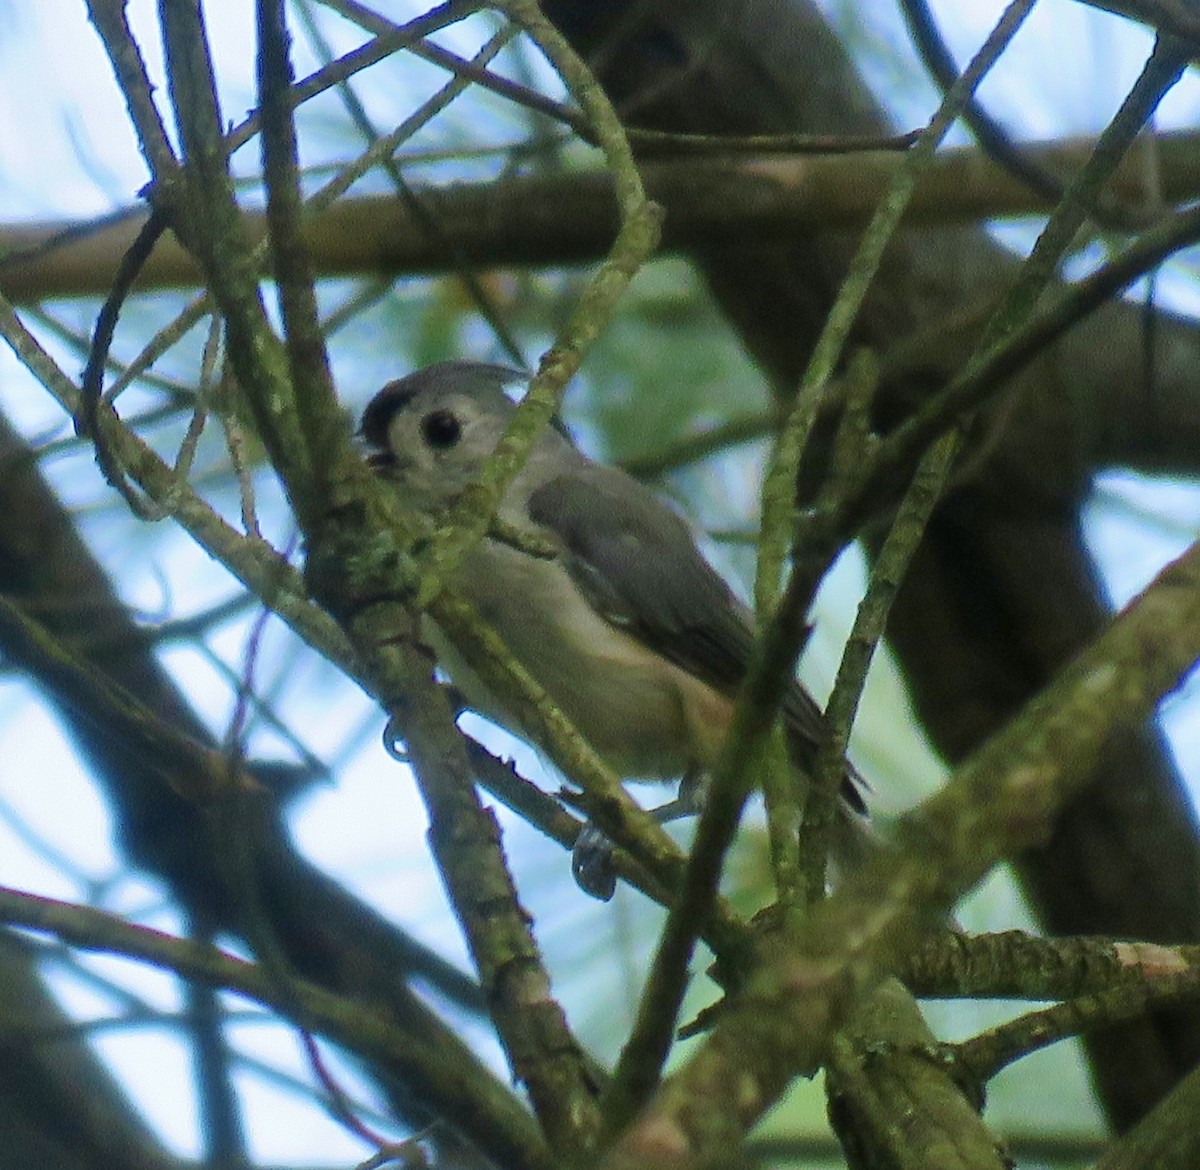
[{"x": 617, "y": 615}]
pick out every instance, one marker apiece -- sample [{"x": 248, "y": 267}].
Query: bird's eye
[{"x": 441, "y": 429}]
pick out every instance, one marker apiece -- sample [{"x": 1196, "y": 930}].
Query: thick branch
[
  {"x": 567, "y": 219},
  {"x": 886, "y": 1066}
]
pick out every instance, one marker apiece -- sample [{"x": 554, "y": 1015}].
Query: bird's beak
[{"x": 381, "y": 461}]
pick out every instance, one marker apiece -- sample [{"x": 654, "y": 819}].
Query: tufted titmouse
[{"x": 629, "y": 630}]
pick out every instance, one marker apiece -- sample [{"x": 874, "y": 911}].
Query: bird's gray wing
[
  {"x": 638, "y": 566},
  {"x": 636, "y": 563}
]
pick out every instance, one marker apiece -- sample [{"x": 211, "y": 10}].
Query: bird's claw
[{"x": 592, "y": 863}]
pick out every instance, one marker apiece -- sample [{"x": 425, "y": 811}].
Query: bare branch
[{"x": 569, "y": 219}]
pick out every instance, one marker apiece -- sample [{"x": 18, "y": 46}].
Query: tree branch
[{"x": 569, "y": 219}]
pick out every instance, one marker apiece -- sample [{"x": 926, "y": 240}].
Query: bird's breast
[{"x": 645, "y": 716}]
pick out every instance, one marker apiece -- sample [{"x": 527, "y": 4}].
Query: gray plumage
[{"x": 628, "y": 628}]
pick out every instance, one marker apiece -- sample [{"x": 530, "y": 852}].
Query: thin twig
[
  {"x": 466, "y": 277},
  {"x": 390, "y": 39},
  {"x": 110, "y": 21},
  {"x": 779, "y": 490},
  {"x": 253, "y": 562},
  {"x": 93, "y": 374},
  {"x": 994, "y": 371},
  {"x": 987, "y": 1054},
  {"x": 318, "y": 419}
]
